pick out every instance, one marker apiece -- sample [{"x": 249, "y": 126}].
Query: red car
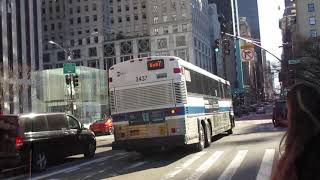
[{"x": 103, "y": 126}]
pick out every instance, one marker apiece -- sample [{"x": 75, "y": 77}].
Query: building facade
[
  {"x": 76, "y": 25},
  {"x": 142, "y": 28},
  {"x": 308, "y": 16},
  {"x": 20, "y": 53}
]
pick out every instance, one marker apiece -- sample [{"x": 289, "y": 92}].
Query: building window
[
  {"x": 70, "y": 1},
  {"x": 155, "y": 20},
  {"x": 162, "y": 43},
  {"x": 311, "y": 7},
  {"x": 155, "y": 9},
  {"x": 111, "y": 10},
  {"x": 144, "y": 16},
  {"x": 52, "y": 27},
  {"x": 313, "y": 33},
  {"x": 143, "y": 6},
  {"x": 95, "y": 17},
  {"x": 112, "y": 21},
  {"x": 78, "y": 9},
  {"x": 312, "y": 20},
  {"x": 119, "y": 19},
  {"x": 60, "y": 25},
  {"x": 70, "y": 11},
  {"x": 136, "y": 17},
  {"x": 72, "y": 42},
  {"x": 119, "y": 8},
  {"x": 57, "y": 9},
  {"x": 46, "y": 57},
  {"x": 45, "y": 28},
  {"x": 76, "y": 53},
  {"x": 128, "y": 18},
  {"x": 79, "y": 32},
  {"x": 181, "y": 41},
  {"x": 165, "y": 30},
  {"x": 79, "y": 42},
  {"x": 96, "y": 39},
  {"x": 86, "y": 8},
  {"x": 165, "y": 18},
  {"x": 184, "y": 27},
  {"x": 92, "y": 51},
  {"x": 88, "y": 40},
  {"x": 156, "y": 31},
  {"x": 86, "y": 19},
  {"x": 43, "y": 10},
  {"x": 79, "y": 20},
  {"x": 175, "y": 28},
  {"x": 71, "y": 21},
  {"x": 94, "y": 7},
  {"x": 61, "y": 56},
  {"x": 127, "y": 8}
]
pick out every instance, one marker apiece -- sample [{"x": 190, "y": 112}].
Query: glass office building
[{"x": 89, "y": 100}]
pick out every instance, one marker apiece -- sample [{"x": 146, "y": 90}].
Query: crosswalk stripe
[
  {"x": 184, "y": 165},
  {"x": 233, "y": 166},
  {"x": 206, "y": 165},
  {"x": 266, "y": 165}
]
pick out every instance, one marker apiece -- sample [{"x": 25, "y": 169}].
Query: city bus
[{"x": 163, "y": 102}]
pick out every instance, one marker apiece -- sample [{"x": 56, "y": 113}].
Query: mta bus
[{"x": 163, "y": 102}]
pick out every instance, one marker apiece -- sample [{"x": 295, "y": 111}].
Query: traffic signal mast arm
[{"x": 254, "y": 43}]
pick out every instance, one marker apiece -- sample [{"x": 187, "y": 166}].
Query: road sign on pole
[
  {"x": 247, "y": 54},
  {"x": 69, "y": 68}
]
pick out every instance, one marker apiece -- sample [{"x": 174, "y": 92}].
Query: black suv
[{"x": 39, "y": 138}]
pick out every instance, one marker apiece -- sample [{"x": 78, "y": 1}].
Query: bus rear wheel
[{"x": 201, "y": 144}]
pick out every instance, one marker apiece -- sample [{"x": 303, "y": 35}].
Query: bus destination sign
[{"x": 155, "y": 64}]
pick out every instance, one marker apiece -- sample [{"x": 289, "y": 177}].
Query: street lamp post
[{"x": 69, "y": 54}]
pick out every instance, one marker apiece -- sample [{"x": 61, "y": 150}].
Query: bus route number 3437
[{"x": 141, "y": 78}]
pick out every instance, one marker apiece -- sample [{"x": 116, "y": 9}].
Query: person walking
[{"x": 300, "y": 159}]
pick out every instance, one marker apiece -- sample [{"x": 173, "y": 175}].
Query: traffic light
[
  {"x": 68, "y": 79},
  {"x": 216, "y": 45},
  {"x": 76, "y": 80}
]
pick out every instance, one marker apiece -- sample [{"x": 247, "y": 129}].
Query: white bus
[{"x": 163, "y": 102}]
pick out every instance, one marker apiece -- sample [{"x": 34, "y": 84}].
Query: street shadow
[{"x": 259, "y": 128}]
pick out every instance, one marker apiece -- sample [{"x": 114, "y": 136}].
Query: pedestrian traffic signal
[
  {"x": 216, "y": 45},
  {"x": 76, "y": 80},
  {"x": 68, "y": 79}
]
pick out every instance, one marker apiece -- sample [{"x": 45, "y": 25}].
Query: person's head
[{"x": 303, "y": 102}]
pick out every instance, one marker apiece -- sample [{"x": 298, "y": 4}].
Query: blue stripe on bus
[{"x": 201, "y": 109}]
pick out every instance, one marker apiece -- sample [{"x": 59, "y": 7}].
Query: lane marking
[
  {"x": 206, "y": 165},
  {"x": 122, "y": 157},
  {"x": 266, "y": 165},
  {"x": 234, "y": 165},
  {"x": 75, "y": 166},
  {"x": 72, "y": 169},
  {"x": 184, "y": 165},
  {"x": 136, "y": 165}
]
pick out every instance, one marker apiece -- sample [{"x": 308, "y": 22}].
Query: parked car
[
  {"x": 245, "y": 110},
  {"x": 42, "y": 138},
  {"x": 279, "y": 113},
  {"x": 261, "y": 110},
  {"x": 103, "y": 126}
]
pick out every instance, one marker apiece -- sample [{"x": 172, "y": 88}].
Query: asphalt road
[{"x": 250, "y": 153}]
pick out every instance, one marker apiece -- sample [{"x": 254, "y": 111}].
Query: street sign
[
  {"x": 294, "y": 61},
  {"x": 247, "y": 54},
  {"x": 69, "y": 68}
]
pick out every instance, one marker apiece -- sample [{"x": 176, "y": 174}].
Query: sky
[{"x": 270, "y": 12}]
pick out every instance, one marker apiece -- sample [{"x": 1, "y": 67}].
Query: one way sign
[{"x": 247, "y": 54}]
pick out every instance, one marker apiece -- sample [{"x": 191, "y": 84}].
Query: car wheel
[
  {"x": 90, "y": 150},
  {"x": 39, "y": 161},
  {"x": 200, "y": 145}
]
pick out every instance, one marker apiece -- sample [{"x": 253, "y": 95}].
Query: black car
[{"x": 39, "y": 138}]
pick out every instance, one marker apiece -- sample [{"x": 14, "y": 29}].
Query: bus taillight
[
  {"x": 110, "y": 79},
  {"x": 176, "y": 70}
]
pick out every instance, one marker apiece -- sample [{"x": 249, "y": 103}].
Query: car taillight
[{"x": 19, "y": 142}]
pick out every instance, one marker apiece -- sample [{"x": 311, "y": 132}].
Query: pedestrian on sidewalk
[{"x": 300, "y": 159}]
